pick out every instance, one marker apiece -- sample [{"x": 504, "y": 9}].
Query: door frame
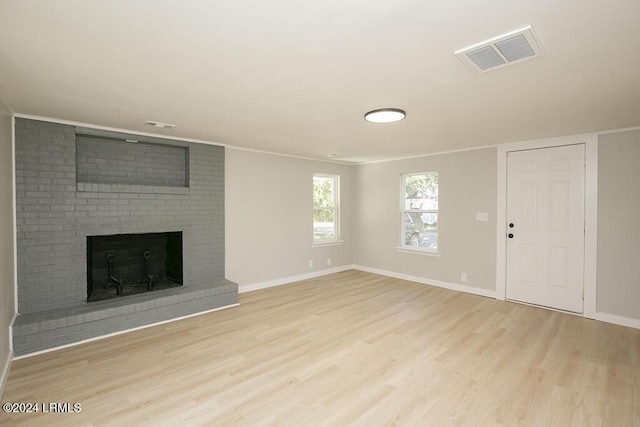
[{"x": 590, "y": 142}]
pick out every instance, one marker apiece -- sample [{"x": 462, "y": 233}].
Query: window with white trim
[
  {"x": 326, "y": 208},
  {"x": 419, "y": 221}
]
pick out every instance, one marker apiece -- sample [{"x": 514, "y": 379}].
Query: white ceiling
[{"x": 296, "y": 77}]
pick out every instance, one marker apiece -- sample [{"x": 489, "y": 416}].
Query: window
[
  {"x": 420, "y": 211},
  {"x": 326, "y": 208}
]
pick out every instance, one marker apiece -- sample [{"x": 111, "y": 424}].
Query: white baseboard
[
  {"x": 618, "y": 320},
  {"x": 5, "y": 373},
  {"x": 124, "y": 331},
  {"x": 285, "y": 280},
  {"x": 7, "y": 364},
  {"x": 425, "y": 281}
]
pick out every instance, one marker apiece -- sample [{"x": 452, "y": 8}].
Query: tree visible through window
[
  {"x": 420, "y": 210},
  {"x": 326, "y": 208}
]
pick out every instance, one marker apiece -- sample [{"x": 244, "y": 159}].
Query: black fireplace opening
[{"x": 128, "y": 264}]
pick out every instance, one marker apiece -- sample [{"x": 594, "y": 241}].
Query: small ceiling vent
[
  {"x": 507, "y": 49},
  {"x": 160, "y": 125}
]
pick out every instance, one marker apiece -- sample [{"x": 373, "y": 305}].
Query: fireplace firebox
[{"x": 127, "y": 264}]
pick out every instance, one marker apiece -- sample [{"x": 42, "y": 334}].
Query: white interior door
[{"x": 545, "y": 227}]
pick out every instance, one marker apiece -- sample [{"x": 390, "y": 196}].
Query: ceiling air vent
[
  {"x": 507, "y": 49},
  {"x": 160, "y": 125}
]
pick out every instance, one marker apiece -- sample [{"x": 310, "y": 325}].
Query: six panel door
[{"x": 545, "y": 227}]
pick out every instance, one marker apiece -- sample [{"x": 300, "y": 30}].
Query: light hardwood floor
[{"x": 351, "y": 348}]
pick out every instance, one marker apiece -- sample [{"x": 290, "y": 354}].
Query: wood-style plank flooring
[{"x": 351, "y": 348}]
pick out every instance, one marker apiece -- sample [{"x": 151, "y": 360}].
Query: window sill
[
  {"x": 327, "y": 243},
  {"x": 409, "y": 250}
]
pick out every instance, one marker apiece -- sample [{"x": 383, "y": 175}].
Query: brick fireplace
[{"x": 75, "y": 189}]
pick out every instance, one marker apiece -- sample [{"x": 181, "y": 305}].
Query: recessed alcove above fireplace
[
  {"x": 122, "y": 160},
  {"x": 127, "y": 264}
]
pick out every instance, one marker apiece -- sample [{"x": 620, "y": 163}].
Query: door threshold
[{"x": 547, "y": 308}]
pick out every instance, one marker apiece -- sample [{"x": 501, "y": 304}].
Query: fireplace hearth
[{"x": 127, "y": 264}]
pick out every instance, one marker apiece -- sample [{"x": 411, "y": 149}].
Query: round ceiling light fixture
[{"x": 385, "y": 115}]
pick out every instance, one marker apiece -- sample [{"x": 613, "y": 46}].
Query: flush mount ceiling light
[
  {"x": 385, "y": 115},
  {"x": 160, "y": 125},
  {"x": 506, "y": 49}
]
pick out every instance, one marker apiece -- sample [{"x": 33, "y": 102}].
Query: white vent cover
[
  {"x": 507, "y": 49},
  {"x": 160, "y": 125}
]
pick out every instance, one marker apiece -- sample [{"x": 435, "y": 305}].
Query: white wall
[
  {"x": 268, "y": 215},
  {"x": 618, "y": 279},
  {"x": 467, "y": 184},
  {"x": 7, "y": 290}
]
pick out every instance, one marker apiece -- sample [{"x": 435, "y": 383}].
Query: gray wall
[
  {"x": 55, "y": 214},
  {"x": 467, "y": 184},
  {"x": 7, "y": 297},
  {"x": 618, "y": 288},
  {"x": 269, "y": 217}
]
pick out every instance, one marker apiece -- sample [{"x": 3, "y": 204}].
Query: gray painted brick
[
  {"x": 65, "y": 216},
  {"x": 57, "y": 208}
]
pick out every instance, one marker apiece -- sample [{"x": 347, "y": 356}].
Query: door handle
[{"x": 510, "y": 235}]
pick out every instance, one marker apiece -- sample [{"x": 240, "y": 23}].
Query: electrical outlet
[
  {"x": 463, "y": 277},
  {"x": 310, "y": 263},
  {"x": 328, "y": 261}
]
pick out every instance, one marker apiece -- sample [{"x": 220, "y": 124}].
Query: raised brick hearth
[{"x": 73, "y": 183}]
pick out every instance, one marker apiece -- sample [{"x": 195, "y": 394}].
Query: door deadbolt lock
[{"x": 511, "y": 225}]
